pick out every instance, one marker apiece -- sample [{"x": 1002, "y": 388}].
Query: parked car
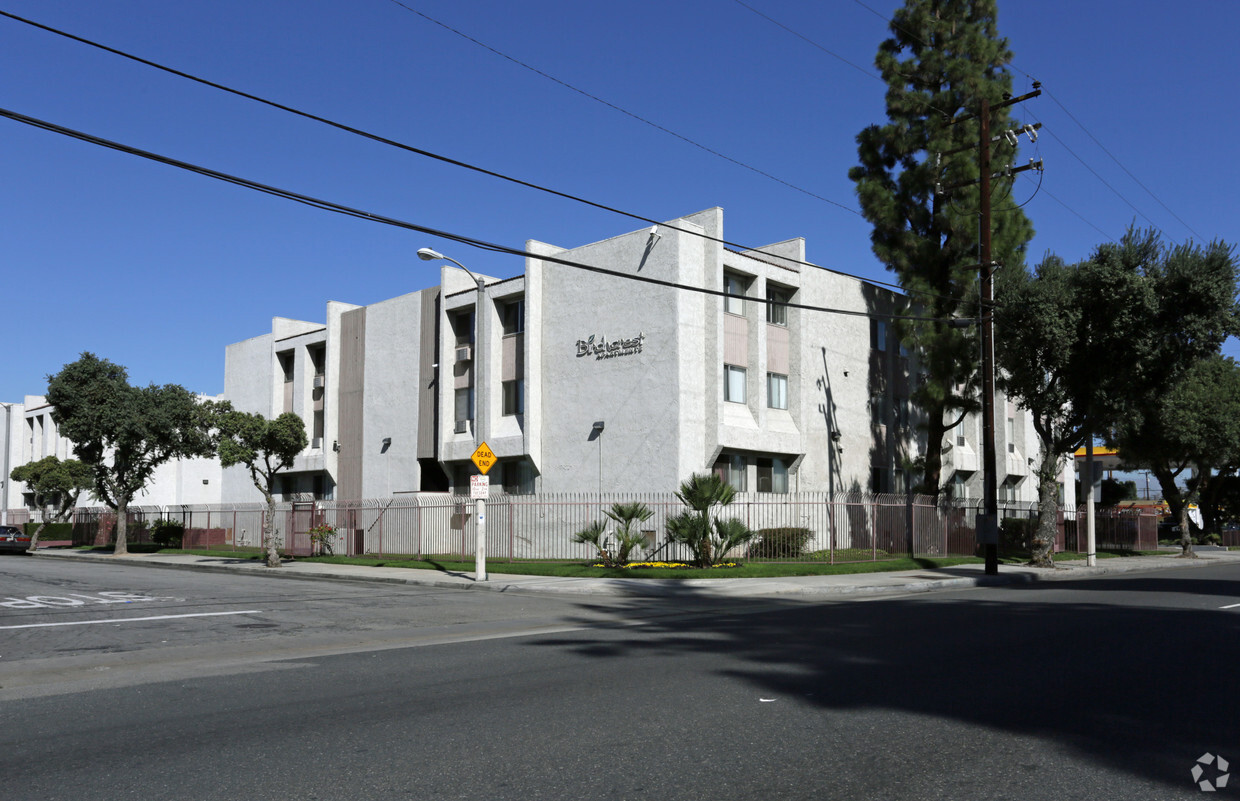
[{"x": 13, "y": 539}]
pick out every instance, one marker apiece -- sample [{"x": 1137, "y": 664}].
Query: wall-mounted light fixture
[
  {"x": 206, "y": 481},
  {"x": 599, "y": 425},
  {"x": 387, "y": 443},
  {"x": 336, "y": 446}
]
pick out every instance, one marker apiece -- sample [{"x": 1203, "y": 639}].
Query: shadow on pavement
[{"x": 1134, "y": 688}]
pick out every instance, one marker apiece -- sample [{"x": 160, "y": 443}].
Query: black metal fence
[{"x": 846, "y": 527}]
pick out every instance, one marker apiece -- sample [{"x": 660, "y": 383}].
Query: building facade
[
  {"x": 666, "y": 354},
  {"x": 678, "y": 355}
]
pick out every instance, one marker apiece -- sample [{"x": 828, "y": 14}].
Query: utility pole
[{"x": 988, "y": 521}]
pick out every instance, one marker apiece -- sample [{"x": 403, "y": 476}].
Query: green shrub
[
  {"x": 52, "y": 531},
  {"x": 167, "y": 533},
  {"x": 321, "y": 538},
  {"x": 780, "y": 543},
  {"x": 1016, "y": 534}
]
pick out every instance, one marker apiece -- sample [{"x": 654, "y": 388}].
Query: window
[
  {"x": 285, "y": 359},
  {"x": 1007, "y": 490},
  {"x": 776, "y": 391},
  {"x": 733, "y": 384},
  {"x": 960, "y": 486},
  {"x": 902, "y": 413},
  {"x": 514, "y": 397},
  {"x": 731, "y": 468},
  {"x": 318, "y": 354},
  {"x": 286, "y": 365},
  {"x": 464, "y": 401},
  {"x": 463, "y": 328},
  {"x": 878, "y": 410},
  {"x": 1011, "y": 435},
  {"x": 775, "y": 314},
  {"x": 878, "y": 334},
  {"x": 734, "y": 289},
  {"x": 878, "y": 480},
  {"x": 512, "y": 316},
  {"x": 772, "y": 475},
  {"x": 517, "y": 478}
]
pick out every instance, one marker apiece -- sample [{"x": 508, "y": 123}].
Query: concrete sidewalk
[{"x": 805, "y": 587}]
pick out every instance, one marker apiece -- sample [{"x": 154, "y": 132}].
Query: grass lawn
[{"x": 456, "y": 564}]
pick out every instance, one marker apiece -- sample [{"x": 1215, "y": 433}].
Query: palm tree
[
  {"x": 700, "y": 492},
  {"x": 626, "y": 515}
]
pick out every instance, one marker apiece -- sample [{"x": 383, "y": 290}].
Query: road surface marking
[
  {"x": 1229, "y": 606},
  {"x": 130, "y": 619}
]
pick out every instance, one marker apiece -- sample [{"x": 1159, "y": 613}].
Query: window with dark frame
[{"x": 777, "y": 314}]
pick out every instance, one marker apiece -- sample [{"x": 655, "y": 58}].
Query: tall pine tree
[{"x": 944, "y": 57}]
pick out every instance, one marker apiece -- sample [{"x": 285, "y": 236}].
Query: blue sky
[{"x": 159, "y": 269}]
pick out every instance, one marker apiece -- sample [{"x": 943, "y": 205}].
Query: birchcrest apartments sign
[{"x": 600, "y": 348}]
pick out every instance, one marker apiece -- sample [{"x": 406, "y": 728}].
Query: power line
[
  {"x": 1104, "y": 149},
  {"x": 1071, "y": 210},
  {"x": 625, "y": 111},
  {"x": 863, "y": 70},
  {"x": 327, "y": 205},
  {"x": 1122, "y": 167},
  {"x": 425, "y": 153},
  {"x": 1103, "y": 180}
]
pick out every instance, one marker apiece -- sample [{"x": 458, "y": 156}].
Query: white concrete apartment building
[
  {"x": 30, "y": 434},
  {"x": 581, "y": 380}
]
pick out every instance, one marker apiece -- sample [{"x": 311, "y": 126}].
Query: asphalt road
[{"x": 1106, "y": 688}]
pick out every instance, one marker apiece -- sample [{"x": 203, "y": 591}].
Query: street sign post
[
  {"x": 483, "y": 458},
  {"x": 480, "y": 489}
]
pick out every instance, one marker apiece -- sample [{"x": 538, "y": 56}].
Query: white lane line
[
  {"x": 1229, "y": 606},
  {"x": 130, "y": 619}
]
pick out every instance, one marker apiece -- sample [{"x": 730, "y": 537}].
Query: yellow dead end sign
[{"x": 484, "y": 458}]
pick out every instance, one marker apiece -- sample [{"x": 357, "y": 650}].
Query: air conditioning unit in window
[
  {"x": 960, "y": 441},
  {"x": 462, "y": 426},
  {"x": 318, "y": 381},
  {"x": 464, "y": 353}
]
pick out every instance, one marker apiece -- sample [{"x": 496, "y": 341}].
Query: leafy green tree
[
  {"x": 1114, "y": 492},
  {"x": 1106, "y": 347},
  {"x": 943, "y": 58},
  {"x": 1196, "y": 425},
  {"x": 123, "y": 433},
  {"x": 265, "y": 447},
  {"x": 1066, "y": 339},
  {"x": 1174, "y": 409},
  {"x": 56, "y": 486}
]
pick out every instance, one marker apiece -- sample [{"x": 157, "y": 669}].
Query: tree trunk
[
  {"x": 1178, "y": 505},
  {"x": 269, "y": 533},
  {"x": 935, "y": 430},
  {"x": 1048, "y": 510},
  {"x": 34, "y": 540},
  {"x": 122, "y": 526},
  {"x": 1186, "y": 537}
]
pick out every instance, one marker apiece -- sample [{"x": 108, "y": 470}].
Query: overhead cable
[
  {"x": 425, "y": 153},
  {"x": 327, "y": 205}
]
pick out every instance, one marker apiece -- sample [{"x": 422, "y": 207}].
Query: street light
[
  {"x": 429, "y": 254},
  {"x": 480, "y": 407},
  {"x": 8, "y": 446}
]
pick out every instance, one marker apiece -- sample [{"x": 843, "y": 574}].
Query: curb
[{"x": 791, "y": 587}]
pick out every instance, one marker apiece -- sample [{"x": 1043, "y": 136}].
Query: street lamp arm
[{"x": 427, "y": 254}]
